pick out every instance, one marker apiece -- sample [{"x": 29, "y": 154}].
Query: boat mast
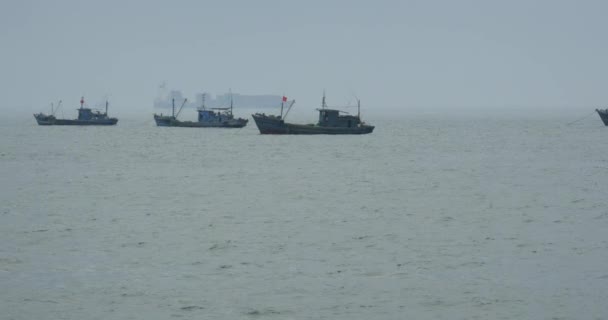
[
  {"x": 203, "y": 102},
  {"x": 289, "y": 108},
  {"x": 359, "y": 109},
  {"x": 81, "y": 102},
  {"x": 180, "y": 108},
  {"x": 282, "y": 103},
  {"x": 58, "y": 106},
  {"x": 230, "y": 101},
  {"x": 173, "y": 107},
  {"x": 106, "y": 107}
]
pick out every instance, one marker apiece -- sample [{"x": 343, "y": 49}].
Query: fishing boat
[
  {"x": 331, "y": 121},
  {"x": 86, "y": 117},
  {"x": 169, "y": 121},
  {"x": 219, "y": 117},
  {"x": 603, "y": 115},
  {"x": 207, "y": 118}
]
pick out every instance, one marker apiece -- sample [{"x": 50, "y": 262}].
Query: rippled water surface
[{"x": 429, "y": 217}]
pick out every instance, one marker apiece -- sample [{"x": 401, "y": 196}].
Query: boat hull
[
  {"x": 164, "y": 121},
  {"x": 603, "y": 115},
  {"x": 52, "y": 121},
  {"x": 275, "y": 125}
]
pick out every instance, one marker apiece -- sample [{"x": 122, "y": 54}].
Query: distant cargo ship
[
  {"x": 86, "y": 117},
  {"x": 241, "y": 101},
  {"x": 330, "y": 122},
  {"x": 207, "y": 118}
]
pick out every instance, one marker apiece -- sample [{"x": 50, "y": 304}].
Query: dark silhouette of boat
[
  {"x": 207, "y": 118},
  {"x": 330, "y": 122},
  {"x": 86, "y": 117},
  {"x": 603, "y": 115}
]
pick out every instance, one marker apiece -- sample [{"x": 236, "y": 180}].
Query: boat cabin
[
  {"x": 332, "y": 118},
  {"x": 214, "y": 115},
  {"x": 88, "y": 114}
]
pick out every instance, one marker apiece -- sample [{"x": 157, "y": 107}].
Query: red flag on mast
[{"x": 284, "y": 99}]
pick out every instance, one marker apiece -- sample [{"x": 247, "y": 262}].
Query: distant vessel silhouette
[
  {"x": 603, "y": 115},
  {"x": 330, "y": 122},
  {"x": 207, "y": 118},
  {"x": 86, "y": 117}
]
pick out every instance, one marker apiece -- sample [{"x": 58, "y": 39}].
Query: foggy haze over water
[{"x": 394, "y": 54}]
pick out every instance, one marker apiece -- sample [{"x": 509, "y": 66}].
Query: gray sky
[{"x": 392, "y": 54}]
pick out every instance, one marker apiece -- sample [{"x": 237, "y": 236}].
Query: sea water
[{"x": 432, "y": 216}]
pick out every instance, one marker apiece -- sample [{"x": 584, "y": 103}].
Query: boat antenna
[
  {"x": 358, "y": 105},
  {"x": 173, "y": 107},
  {"x": 180, "y": 108},
  {"x": 323, "y": 100}
]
